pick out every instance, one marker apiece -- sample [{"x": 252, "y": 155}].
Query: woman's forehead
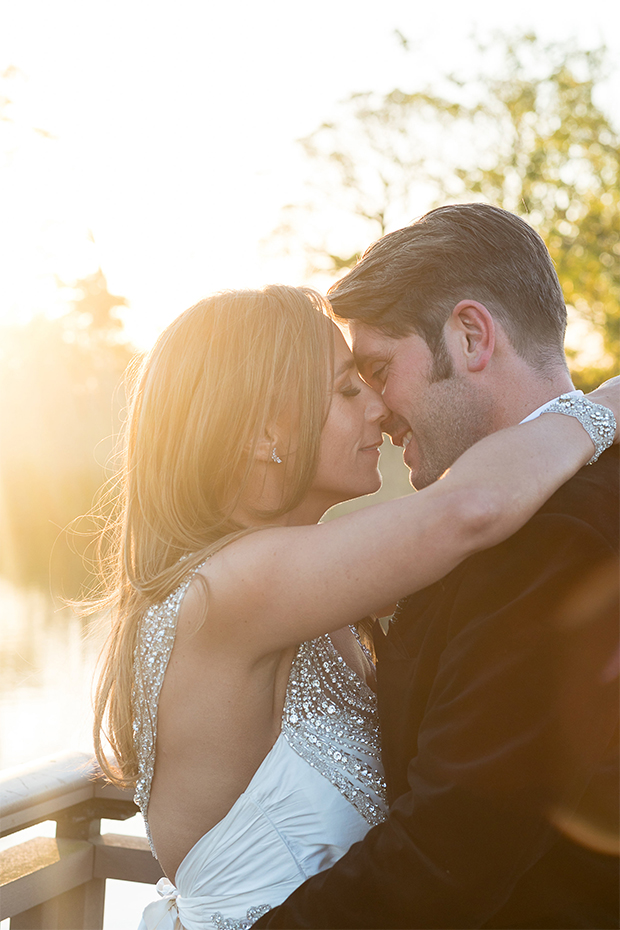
[{"x": 341, "y": 348}]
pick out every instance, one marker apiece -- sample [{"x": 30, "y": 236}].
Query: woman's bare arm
[{"x": 285, "y": 585}]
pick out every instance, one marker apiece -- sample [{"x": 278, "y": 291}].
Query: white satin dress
[{"x": 318, "y": 791}]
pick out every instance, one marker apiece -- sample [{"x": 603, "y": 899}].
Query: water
[{"x": 47, "y": 660}]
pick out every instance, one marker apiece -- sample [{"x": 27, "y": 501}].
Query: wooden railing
[{"x": 59, "y": 883}]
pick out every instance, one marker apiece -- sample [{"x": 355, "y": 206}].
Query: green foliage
[
  {"x": 525, "y": 132},
  {"x": 557, "y": 162},
  {"x": 63, "y": 398}
]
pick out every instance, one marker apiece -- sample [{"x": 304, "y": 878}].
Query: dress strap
[{"x": 156, "y": 635}]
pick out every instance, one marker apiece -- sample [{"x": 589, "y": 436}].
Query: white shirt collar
[{"x": 539, "y": 410}]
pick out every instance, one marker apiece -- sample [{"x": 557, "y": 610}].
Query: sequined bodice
[
  {"x": 318, "y": 790},
  {"x": 330, "y": 720},
  {"x": 330, "y": 714},
  {"x": 152, "y": 654}
]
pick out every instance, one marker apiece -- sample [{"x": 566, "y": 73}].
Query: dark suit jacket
[{"x": 498, "y": 706}]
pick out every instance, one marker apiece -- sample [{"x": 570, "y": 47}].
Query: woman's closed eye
[{"x": 350, "y": 390}]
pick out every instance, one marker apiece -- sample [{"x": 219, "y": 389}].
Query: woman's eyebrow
[{"x": 346, "y": 366}]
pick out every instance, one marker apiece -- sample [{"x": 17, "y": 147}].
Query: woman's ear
[
  {"x": 470, "y": 335},
  {"x": 265, "y": 447}
]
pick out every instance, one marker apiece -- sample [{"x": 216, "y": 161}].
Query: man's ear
[{"x": 470, "y": 334}]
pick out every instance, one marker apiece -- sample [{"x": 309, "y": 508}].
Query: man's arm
[{"x": 475, "y": 818}]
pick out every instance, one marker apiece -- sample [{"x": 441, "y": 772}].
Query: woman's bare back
[{"x": 219, "y": 715}]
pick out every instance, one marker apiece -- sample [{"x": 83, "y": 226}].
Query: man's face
[{"x": 435, "y": 420}]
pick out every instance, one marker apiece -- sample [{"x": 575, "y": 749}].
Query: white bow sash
[{"x": 162, "y": 914}]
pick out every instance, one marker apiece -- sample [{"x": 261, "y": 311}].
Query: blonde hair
[{"x": 200, "y": 402}]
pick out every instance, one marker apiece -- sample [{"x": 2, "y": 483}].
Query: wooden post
[
  {"x": 78, "y": 909},
  {"x": 59, "y": 884},
  {"x": 37, "y": 875},
  {"x": 82, "y": 907}
]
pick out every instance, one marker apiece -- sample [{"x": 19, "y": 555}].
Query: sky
[{"x": 159, "y": 140}]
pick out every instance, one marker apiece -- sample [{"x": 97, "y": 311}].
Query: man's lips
[
  {"x": 398, "y": 429},
  {"x": 409, "y": 452},
  {"x": 401, "y": 437}
]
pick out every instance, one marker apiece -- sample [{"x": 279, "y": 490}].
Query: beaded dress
[{"x": 318, "y": 790}]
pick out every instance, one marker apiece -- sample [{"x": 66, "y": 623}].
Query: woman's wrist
[{"x": 597, "y": 420}]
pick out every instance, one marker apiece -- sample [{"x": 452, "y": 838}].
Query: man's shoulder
[
  {"x": 592, "y": 496},
  {"x": 582, "y": 518},
  {"x": 578, "y": 526}
]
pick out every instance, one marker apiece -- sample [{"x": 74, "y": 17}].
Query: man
[{"x": 497, "y": 762}]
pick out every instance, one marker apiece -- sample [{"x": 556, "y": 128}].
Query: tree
[
  {"x": 93, "y": 310},
  {"x": 524, "y": 132},
  {"x": 61, "y": 385}
]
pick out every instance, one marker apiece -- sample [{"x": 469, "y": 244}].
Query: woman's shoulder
[{"x": 226, "y": 596}]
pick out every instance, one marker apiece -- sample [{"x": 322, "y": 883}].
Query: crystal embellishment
[
  {"x": 244, "y": 923},
  {"x": 152, "y": 654},
  {"x": 330, "y": 720},
  {"x": 597, "y": 420}
]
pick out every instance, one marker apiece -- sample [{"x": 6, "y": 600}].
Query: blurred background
[{"x": 153, "y": 153}]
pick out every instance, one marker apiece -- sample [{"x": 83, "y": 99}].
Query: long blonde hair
[{"x": 200, "y": 402}]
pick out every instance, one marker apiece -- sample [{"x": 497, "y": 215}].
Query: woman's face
[{"x": 349, "y": 451}]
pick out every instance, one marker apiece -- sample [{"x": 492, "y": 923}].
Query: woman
[{"x": 255, "y": 759}]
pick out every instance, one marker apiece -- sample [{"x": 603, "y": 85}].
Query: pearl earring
[{"x": 276, "y": 458}]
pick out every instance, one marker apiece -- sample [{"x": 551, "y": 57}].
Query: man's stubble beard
[{"x": 456, "y": 418}]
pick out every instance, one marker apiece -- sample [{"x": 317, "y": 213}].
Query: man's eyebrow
[{"x": 361, "y": 360}]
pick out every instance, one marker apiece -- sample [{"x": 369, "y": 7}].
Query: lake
[{"x": 47, "y": 659}]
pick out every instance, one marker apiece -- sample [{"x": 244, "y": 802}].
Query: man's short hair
[{"x": 410, "y": 280}]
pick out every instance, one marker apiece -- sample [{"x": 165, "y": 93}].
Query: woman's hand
[{"x": 608, "y": 394}]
